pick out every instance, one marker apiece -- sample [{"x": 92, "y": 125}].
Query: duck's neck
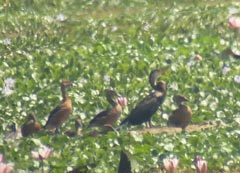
[
  {"x": 117, "y": 107},
  {"x": 161, "y": 89},
  {"x": 114, "y": 104},
  {"x": 64, "y": 95},
  {"x": 153, "y": 78},
  {"x": 111, "y": 101},
  {"x": 153, "y": 84}
]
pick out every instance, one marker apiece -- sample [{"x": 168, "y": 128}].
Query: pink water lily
[
  {"x": 122, "y": 101},
  {"x": 170, "y": 164},
  {"x": 234, "y": 22},
  {"x": 42, "y": 154},
  {"x": 201, "y": 165},
  {"x": 1, "y": 158},
  {"x": 5, "y": 168},
  {"x": 198, "y": 57}
]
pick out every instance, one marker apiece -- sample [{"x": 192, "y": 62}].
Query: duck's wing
[
  {"x": 99, "y": 118},
  {"x": 59, "y": 115},
  {"x": 143, "y": 110}
]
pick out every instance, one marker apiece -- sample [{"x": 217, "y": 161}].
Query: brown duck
[
  {"x": 30, "y": 126},
  {"x": 144, "y": 110},
  {"x": 182, "y": 116},
  {"x": 61, "y": 113},
  {"x": 110, "y": 116}
]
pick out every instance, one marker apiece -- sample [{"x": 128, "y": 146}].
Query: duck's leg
[
  {"x": 150, "y": 123},
  {"x": 109, "y": 127},
  {"x": 184, "y": 130},
  {"x": 57, "y": 131}
]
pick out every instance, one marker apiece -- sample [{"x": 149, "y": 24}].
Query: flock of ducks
[{"x": 142, "y": 113}]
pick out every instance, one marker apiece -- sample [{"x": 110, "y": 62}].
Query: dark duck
[{"x": 150, "y": 104}]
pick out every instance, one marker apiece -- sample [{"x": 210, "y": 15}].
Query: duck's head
[
  {"x": 31, "y": 116},
  {"x": 115, "y": 98},
  {"x": 66, "y": 83},
  {"x": 111, "y": 96},
  {"x": 161, "y": 86},
  {"x": 178, "y": 99}
]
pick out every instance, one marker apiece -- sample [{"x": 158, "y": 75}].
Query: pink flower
[
  {"x": 170, "y": 164},
  {"x": 42, "y": 154},
  {"x": 5, "y": 168},
  {"x": 1, "y": 158},
  {"x": 198, "y": 57},
  {"x": 122, "y": 101},
  {"x": 234, "y": 22},
  {"x": 201, "y": 165}
]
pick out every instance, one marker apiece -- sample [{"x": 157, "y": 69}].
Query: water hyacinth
[
  {"x": 94, "y": 92},
  {"x": 82, "y": 82},
  {"x": 106, "y": 78},
  {"x": 146, "y": 26},
  {"x": 237, "y": 78},
  {"x": 7, "y": 91},
  {"x": 201, "y": 165},
  {"x": 174, "y": 86},
  {"x": 6, "y": 41},
  {"x": 225, "y": 70},
  {"x": 170, "y": 164},
  {"x": 191, "y": 63},
  {"x": 9, "y": 84},
  {"x": 232, "y": 10},
  {"x": 61, "y": 17},
  {"x": 114, "y": 28}
]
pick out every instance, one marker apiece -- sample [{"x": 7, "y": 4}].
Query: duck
[
  {"x": 60, "y": 113},
  {"x": 180, "y": 117},
  {"x": 146, "y": 108},
  {"x": 124, "y": 164},
  {"x": 30, "y": 126},
  {"x": 111, "y": 115}
]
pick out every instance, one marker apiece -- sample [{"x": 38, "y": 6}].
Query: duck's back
[
  {"x": 180, "y": 117},
  {"x": 59, "y": 114},
  {"x": 145, "y": 109},
  {"x": 109, "y": 116}
]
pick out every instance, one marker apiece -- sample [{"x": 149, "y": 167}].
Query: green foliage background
[{"x": 123, "y": 40}]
